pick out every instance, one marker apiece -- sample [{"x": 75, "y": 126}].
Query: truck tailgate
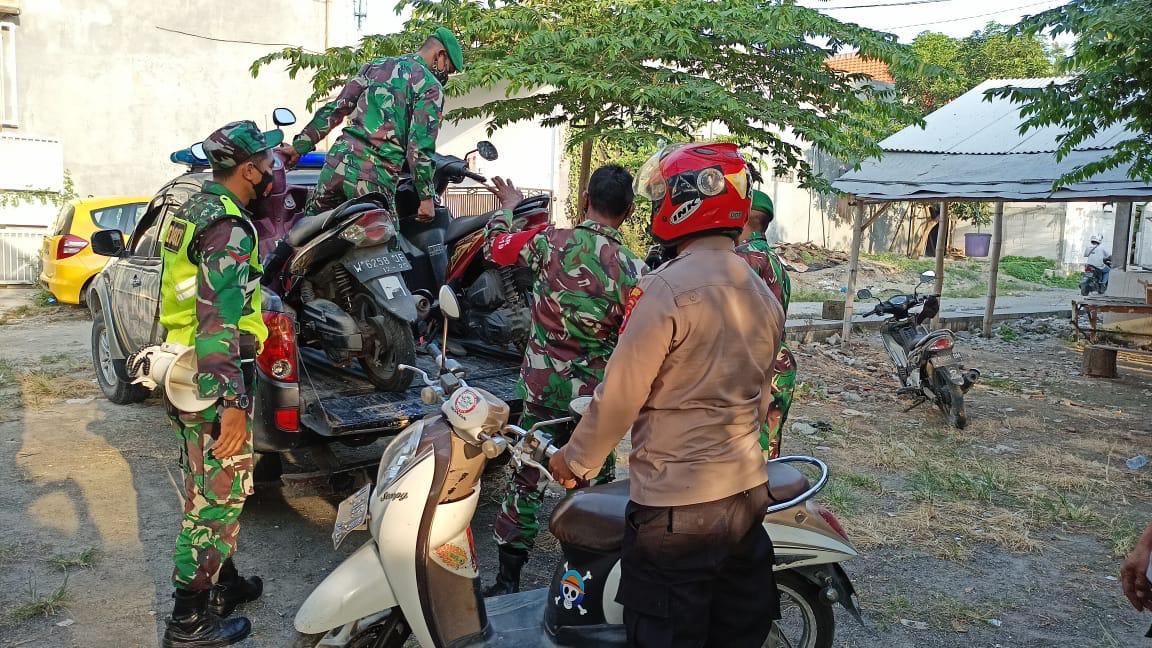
[{"x": 342, "y": 403}]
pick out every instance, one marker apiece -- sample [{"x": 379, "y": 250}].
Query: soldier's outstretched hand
[
  {"x": 507, "y": 192},
  {"x": 288, "y": 154}
]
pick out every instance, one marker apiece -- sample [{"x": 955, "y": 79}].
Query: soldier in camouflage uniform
[
  {"x": 395, "y": 106},
  {"x": 583, "y": 277},
  {"x": 210, "y": 300},
  {"x": 755, "y": 249}
]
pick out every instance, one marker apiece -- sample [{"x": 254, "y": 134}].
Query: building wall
[{"x": 120, "y": 93}]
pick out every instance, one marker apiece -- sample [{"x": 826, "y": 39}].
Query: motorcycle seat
[
  {"x": 593, "y": 518},
  {"x": 309, "y": 226},
  {"x": 460, "y": 227}
]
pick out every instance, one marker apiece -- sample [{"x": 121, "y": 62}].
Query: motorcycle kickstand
[{"x": 920, "y": 401}]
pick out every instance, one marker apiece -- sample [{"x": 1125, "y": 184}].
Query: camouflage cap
[{"x": 233, "y": 143}]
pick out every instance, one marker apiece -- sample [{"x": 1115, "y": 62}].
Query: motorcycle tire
[
  {"x": 800, "y": 600},
  {"x": 390, "y": 632},
  {"x": 391, "y": 345},
  {"x": 1085, "y": 288},
  {"x": 950, "y": 399}
]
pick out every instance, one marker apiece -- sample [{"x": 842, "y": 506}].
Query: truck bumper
[{"x": 276, "y": 419}]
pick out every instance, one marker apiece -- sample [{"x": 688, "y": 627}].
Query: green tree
[
  {"x": 955, "y": 65},
  {"x": 1111, "y": 82},
  {"x": 631, "y": 71}
]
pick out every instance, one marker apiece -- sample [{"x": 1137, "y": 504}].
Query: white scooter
[{"x": 419, "y": 573}]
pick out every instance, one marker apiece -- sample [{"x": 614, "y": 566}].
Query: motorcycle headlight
[{"x": 398, "y": 456}]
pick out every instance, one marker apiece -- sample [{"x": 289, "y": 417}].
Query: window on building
[{"x": 9, "y": 115}]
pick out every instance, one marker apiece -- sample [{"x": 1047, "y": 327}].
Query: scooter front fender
[{"x": 357, "y": 588}]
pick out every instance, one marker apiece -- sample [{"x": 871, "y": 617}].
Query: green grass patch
[
  {"x": 901, "y": 262},
  {"x": 36, "y": 604},
  {"x": 841, "y": 497},
  {"x": 933, "y": 482},
  {"x": 1122, "y": 536},
  {"x": 1037, "y": 270},
  {"x": 1007, "y": 333},
  {"x": 43, "y": 298},
  {"x": 860, "y": 481},
  {"x": 999, "y": 382},
  {"x": 808, "y": 391},
  {"x": 82, "y": 560},
  {"x": 814, "y": 295}
]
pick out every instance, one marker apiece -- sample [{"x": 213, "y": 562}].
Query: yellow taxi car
[{"x": 66, "y": 259}]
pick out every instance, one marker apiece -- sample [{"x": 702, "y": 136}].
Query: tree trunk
[
  {"x": 994, "y": 274},
  {"x": 853, "y": 270},
  {"x": 941, "y": 254},
  {"x": 585, "y": 171},
  {"x": 1099, "y": 363}
]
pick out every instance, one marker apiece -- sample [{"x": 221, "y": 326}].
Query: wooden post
[
  {"x": 853, "y": 270},
  {"x": 941, "y": 254},
  {"x": 1121, "y": 236},
  {"x": 994, "y": 274},
  {"x": 1099, "y": 362}
]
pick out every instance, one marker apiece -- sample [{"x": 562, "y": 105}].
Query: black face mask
[
  {"x": 441, "y": 75},
  {"x": 264, "y": 187}
]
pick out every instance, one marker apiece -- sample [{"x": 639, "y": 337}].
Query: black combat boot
[
  {"x": 194, "y": 626},
  {"x": 232, "y": 590},
  {"x": 512, "y": 560}
]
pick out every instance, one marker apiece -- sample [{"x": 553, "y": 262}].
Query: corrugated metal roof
[
  {"x": 1026, "y": 176},
  {"x": 972, "y": 125},
  {"x": 972, "y": 149}
]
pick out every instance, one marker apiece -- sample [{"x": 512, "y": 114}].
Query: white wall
[{"x": 121, "y": 94}]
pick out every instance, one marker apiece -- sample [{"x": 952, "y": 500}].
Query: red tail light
[
  {"x": 288, "y": 419},
  {"x": 279, "y": 358},
  {"x": 942, "y": 344},
  {"x": 370, "y": 228},
  {"x": 69, "y": 245},
  {"x": 832, "y": 522},
  {"x": 1089, "y": 268}
]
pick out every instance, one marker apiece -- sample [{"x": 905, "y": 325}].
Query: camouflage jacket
[
  {"x": 395, "y": 106},
  {"x": 226, "y": 288},
  {"x": 767, "y": 264},
  {"x": 583, "y": 277}
]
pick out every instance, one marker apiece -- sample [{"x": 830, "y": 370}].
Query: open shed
[{"x": 972, "y": 150}]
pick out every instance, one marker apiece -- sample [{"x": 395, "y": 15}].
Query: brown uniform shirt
[{"x": 690, "y": 376}]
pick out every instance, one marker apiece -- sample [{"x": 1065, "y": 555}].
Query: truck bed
[{"x": 340, "y": 402}]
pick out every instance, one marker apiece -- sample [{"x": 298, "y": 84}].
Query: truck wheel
[
  {"x": 115, "y": 389},
  {"x": 390, "y": 345}
]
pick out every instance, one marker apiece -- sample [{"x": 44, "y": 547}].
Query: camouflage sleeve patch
[
  {"x": 226, "y": 248},
  {"x": 331, "y": 114},
  {"x": 427, "y": 109}
]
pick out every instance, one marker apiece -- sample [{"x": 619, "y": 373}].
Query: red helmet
[{"x": 695, "y": 188}]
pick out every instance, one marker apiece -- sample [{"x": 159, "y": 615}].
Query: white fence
[{"x": 20, "y": 255}]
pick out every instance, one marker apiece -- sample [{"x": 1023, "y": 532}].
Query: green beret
[
  {"x": 448, "y": 40},
  {"x": 762, "y": 203}
]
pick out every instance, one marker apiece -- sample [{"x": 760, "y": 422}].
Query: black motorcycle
[
  {"x": 924, "y": 359},
  {"x": 449, "y": 251},
  {"x": 343, "y": 272}
]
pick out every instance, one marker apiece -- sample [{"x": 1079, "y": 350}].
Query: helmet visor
[{"x": 649, "y": 181}]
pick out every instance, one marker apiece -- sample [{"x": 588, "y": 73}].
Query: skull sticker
[{"x": 572, "y": 589}]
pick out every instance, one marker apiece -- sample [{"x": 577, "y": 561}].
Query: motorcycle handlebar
[{"x": 475, "y": 176}]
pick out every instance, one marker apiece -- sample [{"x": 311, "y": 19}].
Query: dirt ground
[{"x": 1008, "y": 533}]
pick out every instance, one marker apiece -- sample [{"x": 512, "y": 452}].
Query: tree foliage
[
  {"x": 1110, "y": 84},
  {"x": 955, "y": 65},
  {"x": 622, "y": 70}
]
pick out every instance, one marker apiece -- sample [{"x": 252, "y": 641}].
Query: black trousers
[{"x": 699, "y": 575}]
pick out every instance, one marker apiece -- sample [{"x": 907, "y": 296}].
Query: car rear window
[
  {"x": 118, "y": 217},
  {"x": 63, "y": 220}
]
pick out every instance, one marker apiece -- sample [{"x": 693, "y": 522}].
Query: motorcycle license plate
[
  {"x": 352, "y": 515},
  {"x": 371, "y": 264}
]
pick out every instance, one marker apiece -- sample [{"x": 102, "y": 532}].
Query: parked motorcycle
[
  {"x": 925, "y": 363},
  {"x": 342, "y": 271},
  {"x": 1095, "y": 279},
  {"x": 448, "y": 251},
  {"x": 418, "y": 575}
]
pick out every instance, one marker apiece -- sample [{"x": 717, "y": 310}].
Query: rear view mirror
[
  {"x": 863, "y": 293},
  {"x": 283, "y": 117},
  {"x": 449, "y": 305},
  {"x": 579, "y": 406},
  {"x": 109, "y": 243},
  {"x": 487, "y": 150},
  {"x": 927, "y": 276},
  {"x": 198, "y": 150}
]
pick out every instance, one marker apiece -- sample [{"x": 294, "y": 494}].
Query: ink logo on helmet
[{"x": 465, "y": 401}]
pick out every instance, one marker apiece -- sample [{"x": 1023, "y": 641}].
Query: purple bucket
[{"x": 976, "y": 245}]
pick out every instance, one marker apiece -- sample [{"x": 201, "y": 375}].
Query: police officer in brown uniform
[{"x": 691, "y": 377}]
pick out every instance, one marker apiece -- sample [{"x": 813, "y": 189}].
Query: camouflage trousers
[
  {"x": 214, "y": 494},
  {"x": 783, "y": 384},
  {"x": 518, "y": 522},
  {"x": 346, "y": 176}
]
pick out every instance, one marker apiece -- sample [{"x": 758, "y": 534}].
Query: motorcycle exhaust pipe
[{"x": 970, "y": 378}]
